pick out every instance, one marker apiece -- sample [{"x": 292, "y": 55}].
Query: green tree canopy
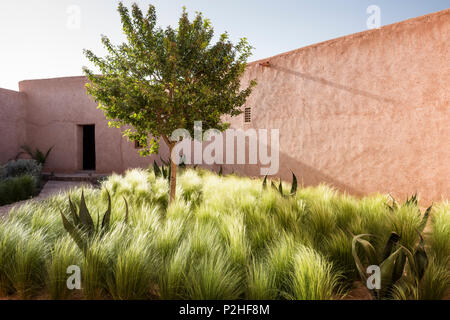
[{"x": 161, "y": 80}]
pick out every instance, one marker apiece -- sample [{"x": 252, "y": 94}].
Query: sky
[{"x": 45, "y": 38}]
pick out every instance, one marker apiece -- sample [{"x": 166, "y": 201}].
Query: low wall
[{"x": 12, "y": 124}]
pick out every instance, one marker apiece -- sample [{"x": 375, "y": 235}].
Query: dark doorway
[{"x": 89, "y": 147}]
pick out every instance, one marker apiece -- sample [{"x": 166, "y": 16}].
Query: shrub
[
  {"x": 16, "y": 168},
  {"x": 17, "y": 189},
  {"x": 312, "y": 276}
]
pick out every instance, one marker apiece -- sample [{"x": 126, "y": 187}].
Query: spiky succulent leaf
[
  {"x": 126, "y": 209},
  {"x": 387, "y": 272},
  {"x": 107, "y": 215},
  {"x": 73, "y": 232},
  {"x": 156, "y": 169},
  {"x": 85, "y": 217},
  {"x": 264, "y": 185},
  {"x": 399, "y": 268},
  {"x": 420, "y": 259},
  {"x": 359, "y": 265},
  {"x": 392, "y": 241},
  {"x": 164, "y": 162},
  {"x": 73, "y": 213},
  {"x": 273, "y": 185},
  {"x": 294, "y": 184},
  {"x": 425, "y": 218}
]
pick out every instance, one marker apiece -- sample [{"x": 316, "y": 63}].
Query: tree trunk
[{"x": 173, "y": 174}]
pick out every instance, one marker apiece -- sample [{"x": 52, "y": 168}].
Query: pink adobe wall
[
  {"x": 56, "y": 108},
  {"x": 367, "y": 113},
  {"x": 12, "y": 124}
]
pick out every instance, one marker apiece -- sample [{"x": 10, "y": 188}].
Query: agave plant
[
  {"x": 394, "y": 269},
  {"x": 280, "y": 185},
  {"x": 164, "y": 171},
  {"x": 83, "y": 228}
]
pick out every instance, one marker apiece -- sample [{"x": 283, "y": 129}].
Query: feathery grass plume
[
  {"x": 145, "y": 218},
  {"x": 261, "y": 229},
  {"x": 169, "y": 237},
  {"x": 98, "y": 261},
  {"x": 212, "y": 277},
  {"x": 337, "y": 248},
  {"x": 233, "y": 231},
  {"x": 191, "y": 186},
  {"x": 179, "y": 209},
  {"x": 47, "y": 219},
  {"x": 134, "y": 268},
  {"x": 205, "y": 214},
  {"x": 11, "y": 234},
  {"x": 375, "y": 220},
  {"x": 280, "y": 261},
  {"x": 435, "y": 285},
  {"x": 171, "y": 280},
  {"x": 345, "y": 208},
  {"x": 312, "y": 276},
  {"x": 261, "y": 283},
  {"x": 63, "y": 254},
  {"x": 202, "y": 237},
  {"x": 440, "y": 233},
  {"x": 28, "y": 272},
  {"x": 406, "y": 222},
  {"x": 290, "y": 216},
  {"x": 320, "y": 220}
]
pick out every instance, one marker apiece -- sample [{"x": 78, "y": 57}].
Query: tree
[{"x": 162, "y": 80}]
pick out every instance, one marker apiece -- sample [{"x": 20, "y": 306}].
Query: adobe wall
[
  {"x": 56, "y": 109},
  {"x": 366, "y": 113},
  {"x": 12, "y": 124}
]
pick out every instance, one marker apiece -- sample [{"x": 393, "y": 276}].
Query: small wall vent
[{"x": 247, "y": 115}]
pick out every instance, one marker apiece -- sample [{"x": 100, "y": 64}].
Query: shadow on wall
[
  {"x": 334, "y": 84},
  {"x": 306, "y": 174}
]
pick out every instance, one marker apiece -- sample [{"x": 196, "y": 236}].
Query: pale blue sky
[{"x": 36, "y": 42}]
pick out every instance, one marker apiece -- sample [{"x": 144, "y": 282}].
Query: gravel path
[{"x": 50, "y": 188}]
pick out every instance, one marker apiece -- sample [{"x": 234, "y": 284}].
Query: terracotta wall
[
  {"x": 12, "y": 124},
  {"x": 56, "y": 110},
  {"x": 367, "y": 113}
]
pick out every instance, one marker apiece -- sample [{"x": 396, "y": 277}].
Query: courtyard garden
[{"x": 223, "y": 237}]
